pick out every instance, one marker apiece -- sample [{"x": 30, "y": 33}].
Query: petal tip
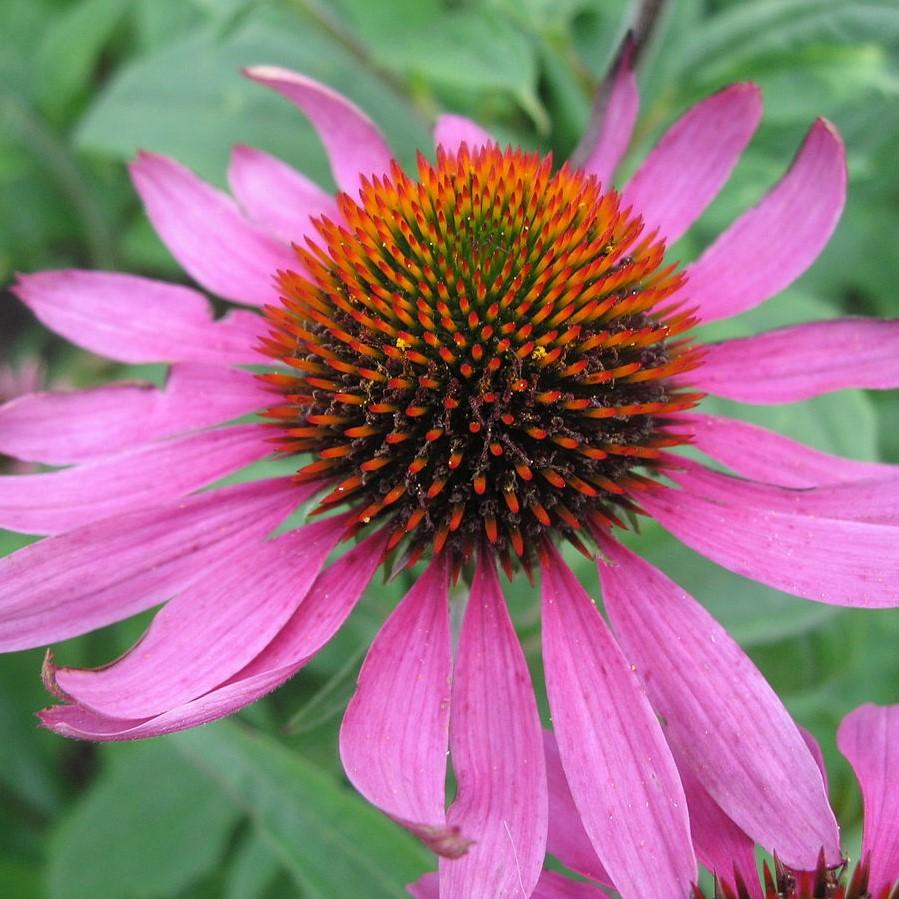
[
  {"x": 824, "y": 129},
  {"x": 48, "y": 676}
]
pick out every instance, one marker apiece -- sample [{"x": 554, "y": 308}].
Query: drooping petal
[
  {"x": 773, "y": 243},
  {"x": 59, "y": 501},
  {"x": 426, "y": 887},
  {"x": 66, "y": 427},
  {"x": 763, "y": 455},
  {"x": 551, "y": 885},
  {"x": 133, "y": 319},
  {"x": 204, "y": 230},
  {"x": 693, "y": 159},
  {"x": 814, "y": 747},
  {"x": 567, "y": 840},
  {"x": 330, "y": 600},
  {"x": 793, "y": 553},
  {"x": 869, "y": 738},
  {"x": 721, "y": 846},
  {"x": 802, "y": 361},
  {"x": 25, "y": 377},
  {"x": 394, "y": 736},
  {"x": 326, "y": 606},
  {"x": 622, "y": 777},
  {"x": 211, "y": 630},
  {"x": 355, "y": 145},
  {"x": 497, "y": 753},
  {"x": 711, "y": 696},
  {"x": 871, "y": 499},
  {"x": 276, "y": 196},
  {"x": 453, "y": 130},
  {"x": 86, "y": 579},
  {"x": 617, "y": 123}
]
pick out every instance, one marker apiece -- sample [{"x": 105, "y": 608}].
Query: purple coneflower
[{"x": 483, "y": 360}]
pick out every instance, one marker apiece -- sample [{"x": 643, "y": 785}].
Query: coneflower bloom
[
  {"x": 483, "y": 359},
  {"x": 868, "y": 737}
]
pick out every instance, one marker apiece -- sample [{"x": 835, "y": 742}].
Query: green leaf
[
  {"x": 379, "y": 21},
  {"x": 469, "y": 50},
  {"x": 26, "y": 752},
  {"x": 19, "y": 879},
  {"x": 330, "y": 841},
  {"x": 254, "y": 866},
  {"x": 331, "y": 698},
  {"x": 188, "y": 100},
  {"x": 69, "y": 52},
  {"x": 748, "y": 30},
  {"x": 149, "y": 827}
]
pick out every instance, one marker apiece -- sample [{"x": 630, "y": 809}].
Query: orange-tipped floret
[{"x": 458, "y": 333}]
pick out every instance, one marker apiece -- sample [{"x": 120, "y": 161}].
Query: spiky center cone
[
  {"x": 484, "y": 354},
  {"x": 823, "y": 883}
]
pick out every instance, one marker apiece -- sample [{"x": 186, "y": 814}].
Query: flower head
[
  {"x": 482, "y": 353},
  {"x": 482, "y": 358}
]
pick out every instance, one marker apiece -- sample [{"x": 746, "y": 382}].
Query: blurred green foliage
[{"x": 258, "y": 807}]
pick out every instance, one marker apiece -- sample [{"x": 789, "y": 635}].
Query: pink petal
[
  {"x": 26, "y": 377},
  {"x": 394, "y": 737},
  {"x": 205, "y": 232},
  {"x": 211, "y": 630},
  {"x": 754, "y": 452},
  {"x": 773, "y": 243},
  {"x": 553, "y": 885},
  {"x": 793, "y": 553},
  {"x": 622, "y": 777},
  {"x": 497, "y": 752},
  {"x": 355, "y": 145},
  {"x": 567, "y": 840},
  {"x": 86, "y": 579},
  {"x": 453, "y": 130},
  {"x": 132, "y": 319},
  {"x": 873, "y": 499},
  {"x": 869, "y": 738},
  {"x": 721, "y": 846},
  {"x": 689, "y": 165},
  {"x": 332, "y": 597},
  {"x": 64, "y": 427},
  {"x": 814, "y": 747},
  {"x": 277, "y": 196},
  {"x": 326, "y": 606},
  {"x": 618, "y": 122},
  {"x": 426, "y": 887},
  {"x": 59, "y": 501},
  {"x": 802, "y": 361},
  {"x": 712, "y": 697}
]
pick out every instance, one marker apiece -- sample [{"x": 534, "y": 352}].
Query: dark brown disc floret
[{"x": 484, "y": 353}]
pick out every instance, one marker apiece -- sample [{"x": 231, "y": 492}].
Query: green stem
[{"x": 67, "y": 174}]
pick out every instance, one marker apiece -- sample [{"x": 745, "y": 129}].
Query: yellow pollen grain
[
  {"x": 401, "y": 344},
  {"x": 538, "y": 353}
]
